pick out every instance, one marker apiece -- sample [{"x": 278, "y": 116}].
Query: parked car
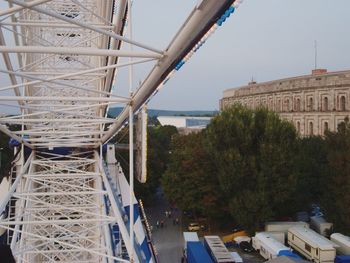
[
  {"x": 246, "y": 246},
  {"x": 193, "y": 227}
]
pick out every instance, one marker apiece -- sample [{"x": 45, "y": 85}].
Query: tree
[
  {"x": 6, "y": 155},
  {"x": 190, "y": 179},
  {"x": 336, "y": 197},
  {"x": 254, "y": 153},
  {"x": 158, "y": 144},
  {"x": 313, "y": 168},
  {"x": 159, "y": 138}
]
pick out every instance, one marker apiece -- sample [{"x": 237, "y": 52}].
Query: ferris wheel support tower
[{"x": 61, "y": 58}]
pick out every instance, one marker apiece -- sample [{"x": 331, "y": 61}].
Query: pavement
[
  {"x": 252, "y": 257},
  {"x": 168, "y": 240}
]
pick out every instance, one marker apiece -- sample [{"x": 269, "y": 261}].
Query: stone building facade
[{"x": 313, "y": 103}]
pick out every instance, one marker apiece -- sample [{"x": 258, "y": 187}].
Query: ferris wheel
[{"x": 68, "y": 199}]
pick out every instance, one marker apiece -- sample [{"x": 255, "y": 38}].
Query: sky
[{"x": 264, "y": 40}]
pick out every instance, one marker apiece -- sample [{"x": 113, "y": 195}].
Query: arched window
[
  {"x": 311, "y": 128},
  {"x": 287, "y": 105},
  {"x": 325, "y": 104},
  {"x": 342, "y": 103},
  {"x": 325, "y": 127},
  {"x": 278, "y": 105},
  {"x": 311, "y": 104},
  {"x": 297, "y": 106},
  {"x": 298, "y": 127}
]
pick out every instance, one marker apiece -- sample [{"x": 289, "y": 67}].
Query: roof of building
[
  {"x": 184, "y": 121},
  {"x": 312, "y": 238},
  {"x": 285, "y": 83}
]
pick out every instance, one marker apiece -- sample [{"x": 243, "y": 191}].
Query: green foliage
[
  {"x": 6, "y": 155},
  {"x": 336, "y": 198},
  {"x": 312, "y": 166},
  {"x": 159, "y": 138},
  {"x": 190, "y": 180},
  {"x": 254, "y": 153}
]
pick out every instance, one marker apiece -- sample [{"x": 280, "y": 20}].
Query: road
[{"x": 168, "y": 241}]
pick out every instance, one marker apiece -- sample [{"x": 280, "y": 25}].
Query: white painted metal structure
[{"x": 61, "y": 57}]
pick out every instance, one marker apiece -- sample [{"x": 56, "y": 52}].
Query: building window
[
  {"x": 311, "y": 104},
  {"x": 298, "y": 127},
  {"x": 325, "y": 104},
  {"x": 311, "y": 129},
  {"x": 287, "y": 105},
  {"x": 278, "y": 105},
  {"x": 342, "y": 103},
  {"x": 297, "y": 106},
  {"x": 307, "y": 247},
  {"x": 325, "y": 128}
]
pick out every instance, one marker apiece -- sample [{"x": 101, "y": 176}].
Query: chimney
[{"x": 319, "y": 71}]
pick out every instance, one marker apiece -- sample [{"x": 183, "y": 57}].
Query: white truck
[{"x": 311, "y": 245}]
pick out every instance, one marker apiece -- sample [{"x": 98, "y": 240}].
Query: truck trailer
[
  {"x": 311, "y": 245},
  {"x": 343, "y": 242},
  {"x": 321, "y": 226},
  {"x": 268, "y": 246},
  {"x": 196, "y": 253},
  {"x": 283, "y": 226},
  {"x": 217, "y": 250}
]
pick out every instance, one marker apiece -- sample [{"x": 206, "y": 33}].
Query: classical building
[{"x": 313, "y": 103}]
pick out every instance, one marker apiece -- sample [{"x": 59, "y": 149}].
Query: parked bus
[{"x": 217, "y": 250}]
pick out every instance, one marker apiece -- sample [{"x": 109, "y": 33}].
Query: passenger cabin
[
  {"x": 217, "y": 250},
  {"x": 343, "y": 242},
  {"x": 311, "y": 245},
  {"x": 268, "y": 246}
]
